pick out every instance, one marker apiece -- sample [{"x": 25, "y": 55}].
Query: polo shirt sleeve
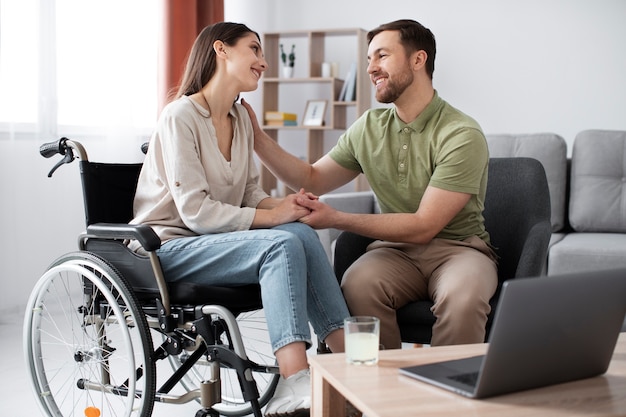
[
  {"x": 461, "y": 162},
  {"x": 345, "y": 151}
]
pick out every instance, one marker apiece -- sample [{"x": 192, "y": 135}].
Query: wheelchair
[{"x": 100, "y": 318}]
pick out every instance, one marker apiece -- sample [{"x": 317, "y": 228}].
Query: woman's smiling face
[{"x": 246, "y": 61}]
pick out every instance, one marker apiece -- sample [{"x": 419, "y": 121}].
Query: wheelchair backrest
[{"x": 109, "y": 191}]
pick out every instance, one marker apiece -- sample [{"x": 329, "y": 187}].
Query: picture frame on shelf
[{"x": 314, "y": 113}]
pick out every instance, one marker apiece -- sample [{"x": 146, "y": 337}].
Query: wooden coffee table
[{"x": 380, "y": 391}]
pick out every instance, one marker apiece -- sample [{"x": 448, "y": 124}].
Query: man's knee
[
  {"x": 462, "y": 304},
  {"x": 362, "y": 286}
]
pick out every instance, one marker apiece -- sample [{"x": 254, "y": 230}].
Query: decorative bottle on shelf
[{"x": 289, "y": 61}]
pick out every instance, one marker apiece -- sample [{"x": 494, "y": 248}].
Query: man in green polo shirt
[{"x": 427, "y": 165}]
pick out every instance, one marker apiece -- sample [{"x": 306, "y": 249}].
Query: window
[{"x": 72, "y": 67}]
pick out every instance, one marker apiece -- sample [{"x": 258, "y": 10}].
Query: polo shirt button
[
  {"x": 406, "y": 130},
  {"x": 177, "y": 184},
  {"x": 402, "y": 165},
  {"x": 404, "y": 147}
]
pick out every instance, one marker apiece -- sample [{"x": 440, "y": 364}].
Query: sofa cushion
[
  {"x": 598, "y": 182},
  {"x": 350, "y": 202},
  {"x": 587, "y": 252},
  {"x": 549, "y": 149}
]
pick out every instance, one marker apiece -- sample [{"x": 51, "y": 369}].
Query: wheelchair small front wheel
[{"x": 87, "y": 343}]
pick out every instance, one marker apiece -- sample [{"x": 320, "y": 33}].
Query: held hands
[
  {"x": 319, "y": 215},
  {"x": 289, "y": 208}
]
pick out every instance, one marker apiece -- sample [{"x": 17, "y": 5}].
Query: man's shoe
[{"x": 292, "y": 397}]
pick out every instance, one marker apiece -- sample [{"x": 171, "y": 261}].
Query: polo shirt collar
[{"x": 419, "y": 124}]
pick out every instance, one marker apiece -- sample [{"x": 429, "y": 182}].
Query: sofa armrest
[{"x": 351, "y": 202}]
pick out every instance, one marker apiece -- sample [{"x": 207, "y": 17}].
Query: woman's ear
[{"x": 220, "y": 48}]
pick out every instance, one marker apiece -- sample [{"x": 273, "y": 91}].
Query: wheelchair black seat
[
  {"x": 240, "y": 298},
  {"x": 138, "y": 271}
]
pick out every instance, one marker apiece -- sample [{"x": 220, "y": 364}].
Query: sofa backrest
[
  {"x": 548, "y": 148},
  {"x": 598, "y": 182}
]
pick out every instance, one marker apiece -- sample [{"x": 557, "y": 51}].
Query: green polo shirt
[{"x": 442, "y": 147}]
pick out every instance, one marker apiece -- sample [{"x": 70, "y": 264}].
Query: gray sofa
[
  {"x": 595, "y": 236},
  {"x": 587, "y": 195}
]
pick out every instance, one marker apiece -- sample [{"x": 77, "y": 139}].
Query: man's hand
[
  {"x": 256, "y": 128},
  {"x": 320, "y": 215},
  {"x": 288, "y": 209},
  {"x": 307, "y": 194}
]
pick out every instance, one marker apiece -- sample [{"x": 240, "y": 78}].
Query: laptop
[{"x": 546, "y": 330}]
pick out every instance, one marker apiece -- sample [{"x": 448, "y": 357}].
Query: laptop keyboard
[{"x": 467, "y": 379}]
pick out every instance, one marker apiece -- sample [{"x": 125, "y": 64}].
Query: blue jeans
[{"x": 289, "y": 263}]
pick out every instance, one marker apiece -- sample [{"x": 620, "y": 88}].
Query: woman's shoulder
[
  {"x": 177, "y": 103},
  {"x": 184, "y": 105},
  {"x": 183, "y": 109}
]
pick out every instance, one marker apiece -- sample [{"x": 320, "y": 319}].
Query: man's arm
[
  {"x": 323, "y": 176},
  {"x": 437, "y": 208}
]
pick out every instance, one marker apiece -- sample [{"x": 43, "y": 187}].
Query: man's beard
[{"x": 394, "y": 89}]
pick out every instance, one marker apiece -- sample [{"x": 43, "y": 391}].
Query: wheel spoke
[{"x": 84, "y": 324}]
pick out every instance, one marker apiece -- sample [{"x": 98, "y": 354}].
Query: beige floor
[{"x": 16, "y": 398}]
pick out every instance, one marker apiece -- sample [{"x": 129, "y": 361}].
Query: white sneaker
[{"x": 292, "y": 397}]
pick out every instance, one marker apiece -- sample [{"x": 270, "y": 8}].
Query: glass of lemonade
[{"x": 361, "y": 340}]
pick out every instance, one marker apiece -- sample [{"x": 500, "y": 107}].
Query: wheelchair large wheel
[
  {"x": 87, "y": 343},
  {"x": 255, "y": 336}
]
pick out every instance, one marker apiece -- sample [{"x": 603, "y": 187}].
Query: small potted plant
[{"x": 288, "y": 61}]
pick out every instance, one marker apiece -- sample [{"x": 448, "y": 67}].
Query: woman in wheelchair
[{"x": 198, "y": 189}]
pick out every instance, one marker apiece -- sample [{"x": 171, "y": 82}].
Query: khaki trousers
[{"x": 458, "y": 276}]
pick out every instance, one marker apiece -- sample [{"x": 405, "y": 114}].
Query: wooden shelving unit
[{"x": 308, "y": 84}]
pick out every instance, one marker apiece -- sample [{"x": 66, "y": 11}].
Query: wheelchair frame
[{"x": 91, "y": 316}]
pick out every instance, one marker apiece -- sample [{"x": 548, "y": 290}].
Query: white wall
[{"x": 517, "y": 67}]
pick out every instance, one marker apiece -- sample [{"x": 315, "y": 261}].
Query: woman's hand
[
  {"x": 274, "y": 211},
  {"x": 291, "y": 205},
  {"x": 320, "y": 216},
  {"x": 288, "y": 210}
]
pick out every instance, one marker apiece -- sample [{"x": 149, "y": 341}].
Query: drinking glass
[{"x": 361, "y": 340}]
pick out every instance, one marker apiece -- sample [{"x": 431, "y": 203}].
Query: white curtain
[{"x": 81, "y": 69}]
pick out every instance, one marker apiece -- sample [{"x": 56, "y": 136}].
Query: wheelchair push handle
[
  {"x": 50, "y": 149},
  {"x": 65, "y": 147}
]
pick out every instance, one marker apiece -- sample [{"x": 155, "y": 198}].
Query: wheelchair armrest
[{"x": 140, "y": 232}]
